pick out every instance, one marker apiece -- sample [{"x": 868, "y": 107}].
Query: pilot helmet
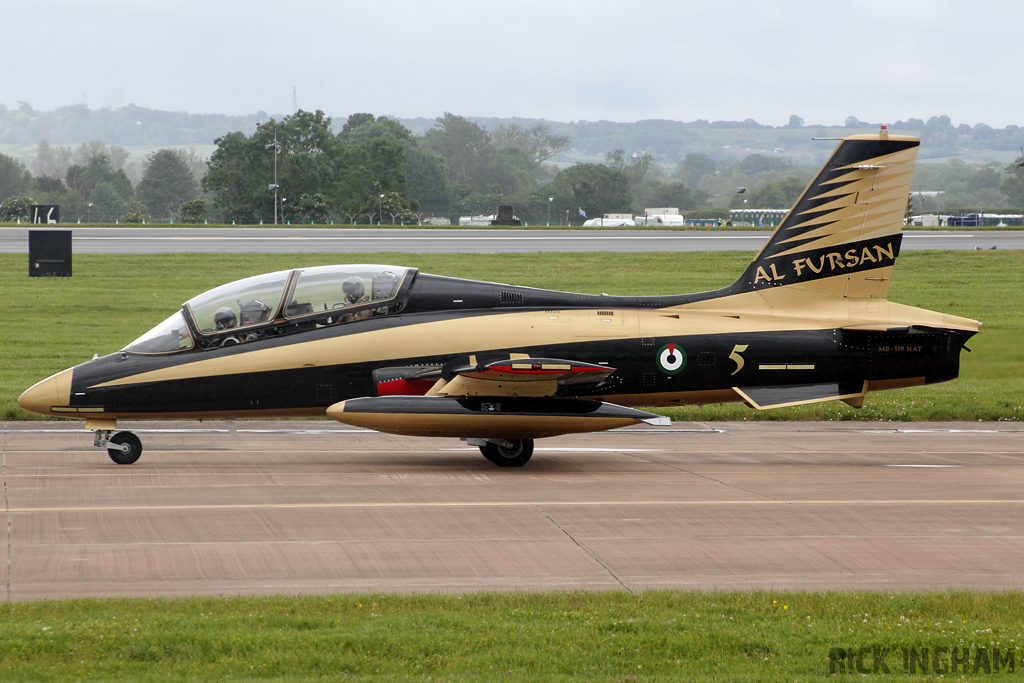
[
  {"x": 353, "y": 288},
  {"x": 224, "y": 318}
]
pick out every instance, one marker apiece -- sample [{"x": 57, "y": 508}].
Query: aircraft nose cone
[{"x": 52, "y": 391}]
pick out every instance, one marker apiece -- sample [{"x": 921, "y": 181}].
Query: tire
[
  {"x": 133, "y": 443},
  {"x": 516, "y": 455}
]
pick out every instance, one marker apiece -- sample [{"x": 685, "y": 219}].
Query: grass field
[
  {"x": 49, "y": 324},
  {"x": 613, "y": 636}
]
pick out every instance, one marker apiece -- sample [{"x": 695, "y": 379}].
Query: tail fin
[{"x": 843, "y": 235}]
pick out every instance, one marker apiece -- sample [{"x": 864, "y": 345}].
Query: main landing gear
[
  {"x": 505, "y": 452},
  {"x": 124, "y": 448}
]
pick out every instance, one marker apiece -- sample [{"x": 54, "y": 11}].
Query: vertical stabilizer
[{"x": 843, "y": 235}]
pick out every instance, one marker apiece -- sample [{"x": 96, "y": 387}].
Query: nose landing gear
[{"x": 124, "y": 448}]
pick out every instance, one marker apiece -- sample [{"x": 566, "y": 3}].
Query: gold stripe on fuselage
[{"x": 465, "y": 335}]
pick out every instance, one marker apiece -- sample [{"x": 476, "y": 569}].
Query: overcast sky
[{"x": 561, "y": 60}]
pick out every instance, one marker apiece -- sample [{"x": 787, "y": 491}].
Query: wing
[
  {"x": 514, "y": 376},
  {"x": 521, "y": 377},
  {"x": 508, "y": 398}
]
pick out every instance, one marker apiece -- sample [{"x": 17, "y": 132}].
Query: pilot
[
  {"x": 224, "y": 319},
  {"x": 355, "y": 294}
]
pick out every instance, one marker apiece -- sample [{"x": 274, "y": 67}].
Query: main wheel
[
  {"x": 516, "y": 454},
  {"x": 129, "y": 456}
]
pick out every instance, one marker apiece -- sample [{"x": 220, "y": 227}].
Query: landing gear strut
[
  {"x": 124, "y": 448},
  {"x": 505, "y": 452}
]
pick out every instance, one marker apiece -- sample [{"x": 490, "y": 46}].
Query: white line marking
[
  {"x": 577, "y": 450},
  {"x": 922, "y": 465},
  {"x": 431, "y": 238}
]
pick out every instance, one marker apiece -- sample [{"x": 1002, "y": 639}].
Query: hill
[{"x": 141, "y": 130}]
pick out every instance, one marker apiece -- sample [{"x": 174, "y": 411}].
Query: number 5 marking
[{"x": 736, "y": 358}]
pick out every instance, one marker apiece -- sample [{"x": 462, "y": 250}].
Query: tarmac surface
[
  {"x": 292, "y": 507},
  {"x": 165, "y": 240}
]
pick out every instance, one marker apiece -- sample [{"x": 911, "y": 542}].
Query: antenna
[{"x": 295, "y": 102}]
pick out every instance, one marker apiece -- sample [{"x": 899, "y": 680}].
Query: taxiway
[
  {"x": 313, "y": 507},
  {"x": 296, "y": 239}
]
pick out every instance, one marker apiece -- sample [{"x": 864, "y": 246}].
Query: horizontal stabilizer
[
  {"x": 766, "y": 397},
  {"x": 494, "y": 417}
]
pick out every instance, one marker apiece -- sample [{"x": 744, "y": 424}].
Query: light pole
[
  {"x": 277, "y": 148},
  {"x": 380, "y": 210},
  {"x": 550, "y": 199}
]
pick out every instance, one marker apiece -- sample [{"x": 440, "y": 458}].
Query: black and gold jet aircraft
[{"x": 405, "y": 352}]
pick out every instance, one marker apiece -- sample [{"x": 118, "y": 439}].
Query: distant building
[{"x": 757, "y": 218}]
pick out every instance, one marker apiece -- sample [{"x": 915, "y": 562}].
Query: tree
[
  {"x": 465, "y": 147},
  {"x": 1013, "y": 184},
  {"x": 107, "y": 202},
  {"x": 536, "y": 142},
  {"x": 515, "y": 174},
  {"x": 241, "y": 169},
  {"x": 51, "y": 161},
  {"x": 694, "y": 167},
  {"x": 776, "y": 194},
  {"x": 14, "y": 177},
  {"x": 595, "y": 188},
  {"x": 428, "y": 182},
  {"x": 167, "y": 181},
  {"x": 354, "y": 121},
  {"x": 759, "y": 163},
  {"x": 361, "y": 127},
  {"x": 366, "y": 172},
  {"x": 675, "y": 194},
  {"x": 18, "y": 206},
  {"x": 795, "y": 122},
  {"x": 109, "y": 191},
  {"x": 635, "y": 167},
  {"x": 397, "y": 209},
  {"x": 134, "y": 212},
  {"x": 311, "y": 208},
  {"x": 192, "y": 211}
]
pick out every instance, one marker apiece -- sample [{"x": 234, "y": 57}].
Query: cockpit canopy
[{"x": 246, "y": 309}]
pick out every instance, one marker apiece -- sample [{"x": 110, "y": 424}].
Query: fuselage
[{"x": 671, "y": 350}]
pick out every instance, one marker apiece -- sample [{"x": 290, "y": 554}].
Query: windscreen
[{"x": 169, "y": 336}]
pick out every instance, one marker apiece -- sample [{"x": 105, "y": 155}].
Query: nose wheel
[
  {"x": 124, "y": 448},
  {"x": 508, "y": 452}
]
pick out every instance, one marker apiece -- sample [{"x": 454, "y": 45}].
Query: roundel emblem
[{"x": 671, "y": 359}]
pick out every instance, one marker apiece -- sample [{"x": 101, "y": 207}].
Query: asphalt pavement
[
  {"x": 152, "y": 240},
  {"x": 219, "y": 508}
]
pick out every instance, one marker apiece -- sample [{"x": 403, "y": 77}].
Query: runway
[
  {"x": 133, "y": 240},
  {"x": 313, "y": 507}
]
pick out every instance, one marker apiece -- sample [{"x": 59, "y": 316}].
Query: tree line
[{"x": 375, "y": 170}]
